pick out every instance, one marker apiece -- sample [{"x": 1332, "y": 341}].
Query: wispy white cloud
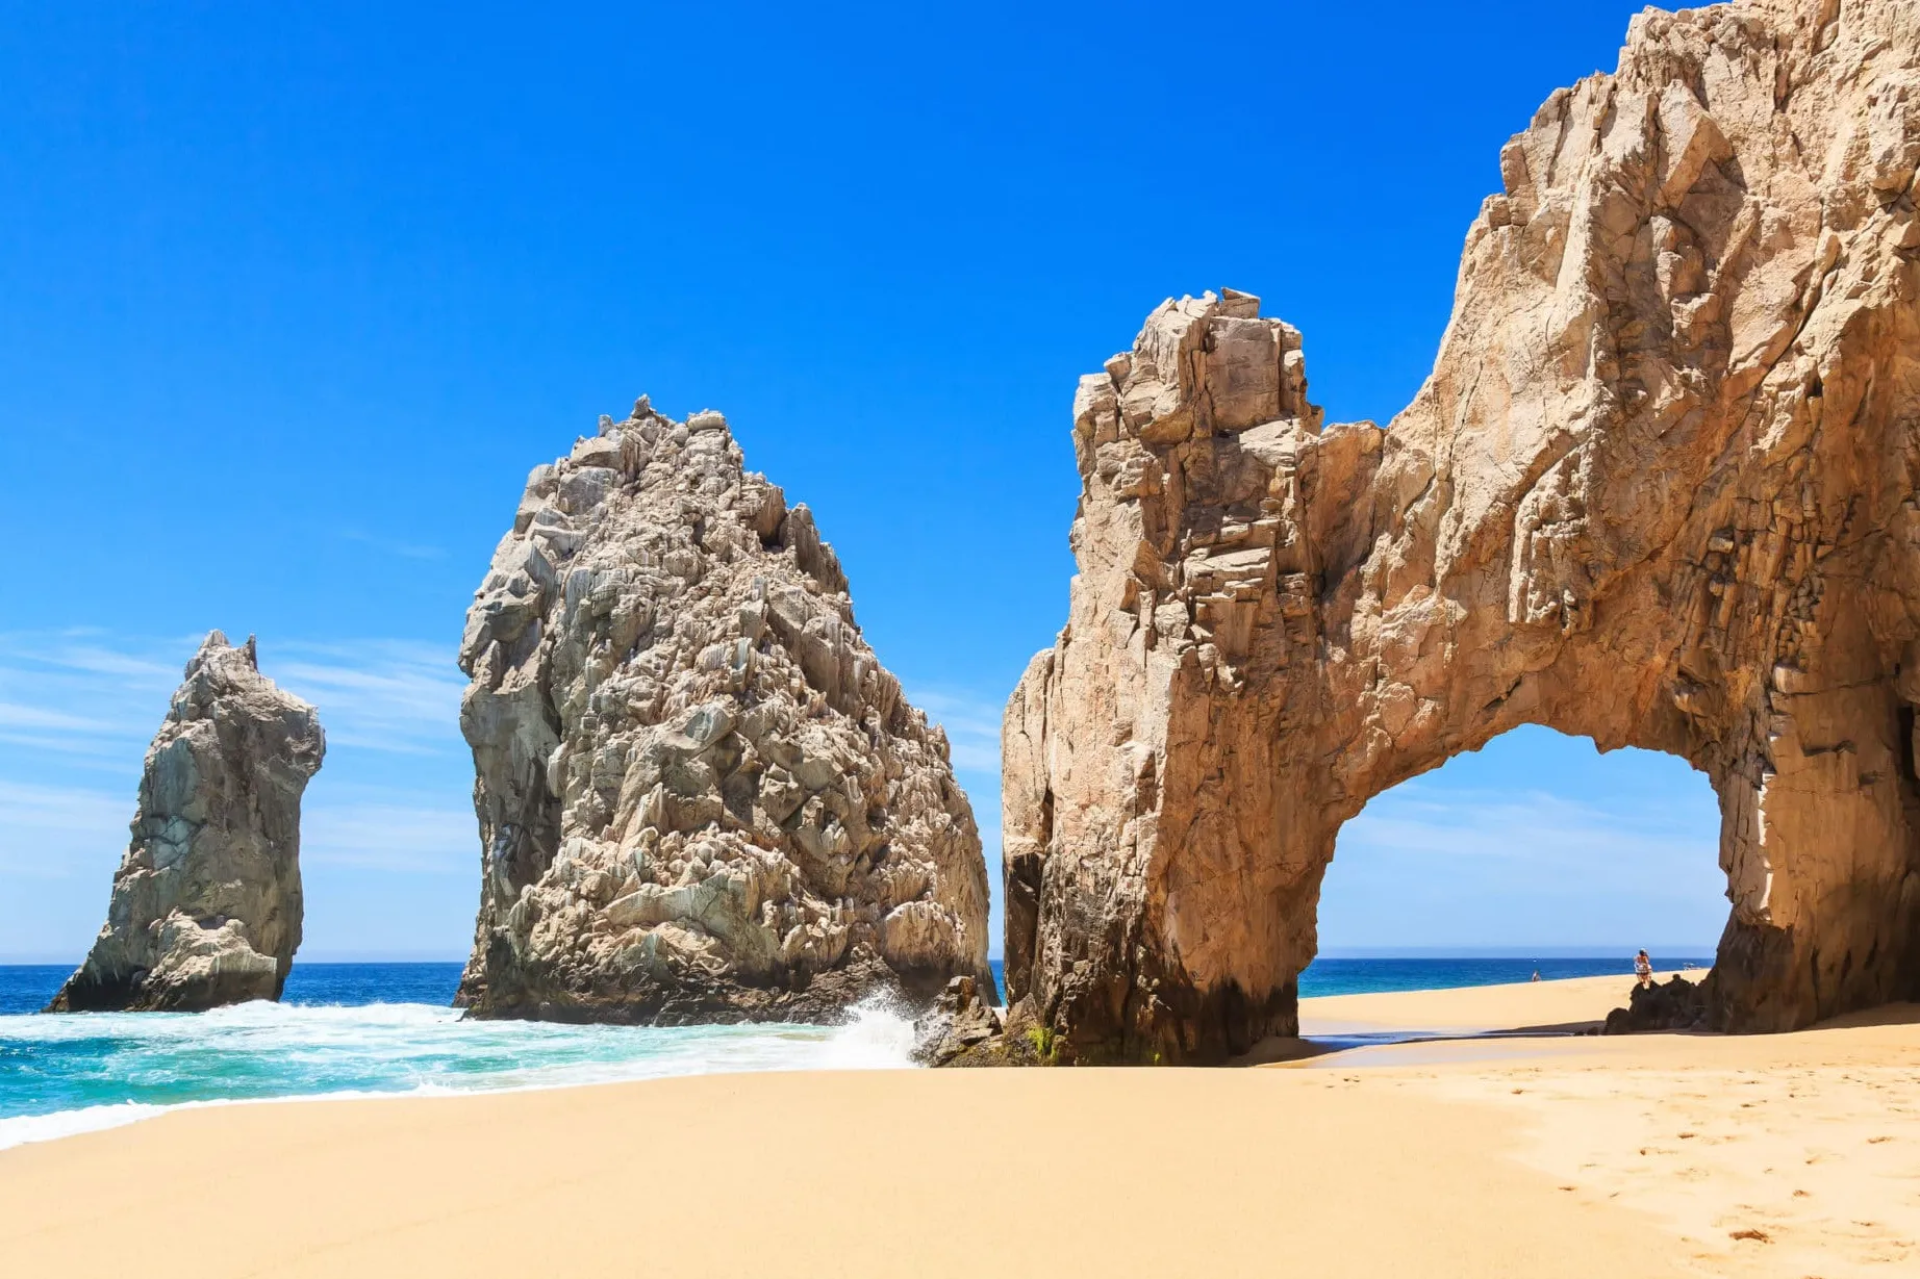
[
  {"x": 87, "y": 695},
  {"x": 13, "y": 715},
  {"x": 972, "y": 723},
  {"x": 1519, "y": 825},
  {"x": 1434, "y": 863},
  {"x": 94, "y": 754},
  {"x": 391, "y": 695},
  {"x": 394, "y": 831},
  {"x": 394, "y": 546},
  {"x": 79, "y": 706},
  {"x": 75, "y": 694},
  {"x": 77, "y": 709},
  {"x": 135, "y": 668},
  {"x": 53, "y": 832}
]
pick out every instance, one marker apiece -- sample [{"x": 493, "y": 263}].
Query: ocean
[{"x": 386, "y": 1029}]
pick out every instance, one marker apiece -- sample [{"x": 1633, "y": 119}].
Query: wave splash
[{"x": 83, "y": 1072}]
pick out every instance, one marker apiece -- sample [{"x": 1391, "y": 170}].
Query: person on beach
[{"x": 1643, "y": 969}]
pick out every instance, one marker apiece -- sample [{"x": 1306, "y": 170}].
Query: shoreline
[
  {"x": 1571, "y": 1005},
  {"x": 1333, "y": 1026},
  {"x": 862, "y": 1043},
  {"x": 1536, "y": 1156}
]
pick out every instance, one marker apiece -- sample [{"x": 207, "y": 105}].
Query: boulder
[
  {"x": 966, "y": 1027},
  {"x": 1679, "y": 1004},
  {"x": 206, "y": 906},
  {"x": 959, "y": 1020}
]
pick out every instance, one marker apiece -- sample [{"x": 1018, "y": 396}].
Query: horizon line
[{"x": 1595, "y": 950}]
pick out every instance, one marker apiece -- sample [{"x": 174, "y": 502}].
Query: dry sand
[
  {"x": 1780, "y": 1155},
  {"x": 1627, "y": 1158},
  {"x": 1546, "y": 1006}
]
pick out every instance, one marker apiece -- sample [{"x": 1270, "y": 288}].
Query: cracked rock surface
[
  {"x": 206, "y": 906},
  {"x": 701, "y": 797},
  {"x": 1659, "y": 490}
]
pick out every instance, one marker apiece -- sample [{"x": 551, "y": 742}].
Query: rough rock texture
[
  {"x": 701, "y": 798},
  {"x": 959, "y": 1020},
  {"x": 206, "y": 903},
  {"x": 1659, "y": 490},
  {"x": 1678, "y": 1005}
]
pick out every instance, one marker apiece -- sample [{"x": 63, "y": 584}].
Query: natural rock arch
[{"x": 1659, "y": 491}]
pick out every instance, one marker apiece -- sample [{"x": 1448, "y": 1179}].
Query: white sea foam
[
  {"x": 81, "y": 1073},
  {"x": 22, "y": 1129}
]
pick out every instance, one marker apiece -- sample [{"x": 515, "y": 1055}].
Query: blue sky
[{"x": 293, "y": 296}]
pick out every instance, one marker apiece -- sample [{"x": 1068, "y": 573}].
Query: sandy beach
[{"x": 1658, "y": 1155}]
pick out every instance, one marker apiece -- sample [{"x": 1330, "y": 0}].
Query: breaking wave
[{"x": 61, "y": 1075}]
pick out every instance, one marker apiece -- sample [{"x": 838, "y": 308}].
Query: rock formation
[
  {"x": 960, "y": 1021},
  {"x": 206, "y": 903},
  {"x": 701, "y": 798},
  {"x": 1678, "y": 1005},
  {"x": 1659, "y": 491}
]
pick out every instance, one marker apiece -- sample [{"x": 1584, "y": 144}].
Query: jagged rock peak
[
  {"x": 206, "y": 906},
  {"x": 700, "y": 795},
  {"x": 1658, "y": 491}
]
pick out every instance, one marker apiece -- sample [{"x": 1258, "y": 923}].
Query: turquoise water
[
  {"x": 374, "y": 1029},
  {"x": 359, "y": 1029},
  {"x": 1368, "y": 976}
]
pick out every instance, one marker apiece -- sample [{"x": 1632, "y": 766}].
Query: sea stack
[
  {"x": 1658, "y": 491},
  {"x": 206, "y": 904},
  {"x": 701, "y": 798}
]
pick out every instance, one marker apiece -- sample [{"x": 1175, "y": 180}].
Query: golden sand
[{"x": 1629, "y": 1158}]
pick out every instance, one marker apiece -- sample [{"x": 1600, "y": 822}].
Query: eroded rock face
[
  {"x": 206, "y": 906},
  {"x": 701, "y": 798},
  {"x": 960, "y": 1021},
  {"x": 1659, "y": 490},
  {"x": 1678, "y": 1005}
]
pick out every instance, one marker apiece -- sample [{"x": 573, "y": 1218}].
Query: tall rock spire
[{"x": 206, "y": 906}]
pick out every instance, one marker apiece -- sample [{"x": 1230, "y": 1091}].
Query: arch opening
[{"x": 1534, "y": 853}]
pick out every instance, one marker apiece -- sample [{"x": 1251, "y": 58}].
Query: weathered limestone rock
[
  {"x": 701, "y": 798},
  {"x": 959, "y": 1020},
  {"x": 206, "y": 903},
  {"x": 1659, "y": 490},
  {"x": 962, "y": 1029}
]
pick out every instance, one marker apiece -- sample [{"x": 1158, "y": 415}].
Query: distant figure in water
[
  {"x": 1536, "y": 975},
  {"x": 1643, "y": 969}
]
